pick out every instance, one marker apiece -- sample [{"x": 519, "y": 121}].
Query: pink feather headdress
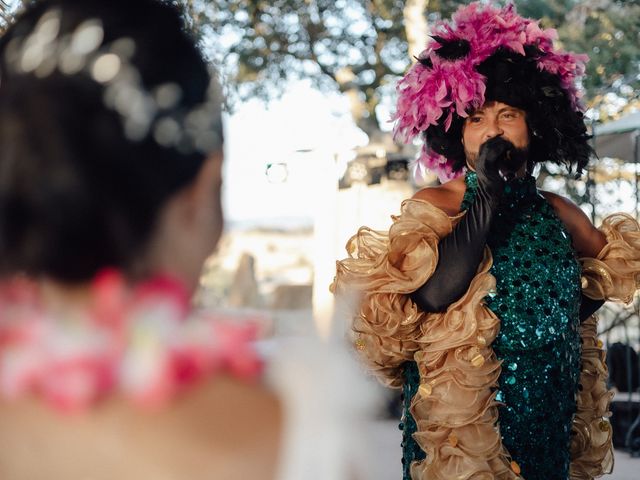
[{"x": 432, "y": 95}]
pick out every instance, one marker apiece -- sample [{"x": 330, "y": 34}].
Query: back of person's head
[{"x": 107, "y": 110}]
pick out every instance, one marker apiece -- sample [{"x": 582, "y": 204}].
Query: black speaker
[{"x": 624, "y": 368}]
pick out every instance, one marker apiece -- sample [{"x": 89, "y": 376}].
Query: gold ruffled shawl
[
  {"x": 455, "y": 409},
  {"x": 613, "y": 275}
]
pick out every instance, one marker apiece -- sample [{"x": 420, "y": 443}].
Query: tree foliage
[
  {"x": 359, "y": 47},
  {"x": 7, "y": 9},
  {"x": 609, "y": 32}
]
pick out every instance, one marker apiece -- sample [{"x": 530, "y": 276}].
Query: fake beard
[{"x": 509, "y": 165}]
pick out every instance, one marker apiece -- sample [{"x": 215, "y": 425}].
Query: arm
[
  {"x": 587, "y": 240},
  {"x": 460, "y": 253}
]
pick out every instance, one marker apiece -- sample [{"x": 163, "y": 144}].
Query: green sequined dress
[{"x": 537, "y": 300}]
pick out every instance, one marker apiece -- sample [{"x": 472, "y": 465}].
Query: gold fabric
[
  {"x": 384, "y": 267},
  {"x": 613, "y": 275},
  {"x": 455, "y": 409},
  {"x": 460, "y": 369},
  {"x": 591, "y": 440}
]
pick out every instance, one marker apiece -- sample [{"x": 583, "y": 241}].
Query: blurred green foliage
[{"x": 361, "y": 46}]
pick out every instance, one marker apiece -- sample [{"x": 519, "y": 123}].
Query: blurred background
[{"x": 310, "y": 158}]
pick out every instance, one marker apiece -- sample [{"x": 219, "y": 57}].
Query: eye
[
  {"x": 475, "y": 119},
  {"x": 509, "y": 115}
]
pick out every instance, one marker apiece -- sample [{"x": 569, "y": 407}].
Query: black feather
[
  {"x": 426, "y": 62},
  {"x": 452, "y": 49}
]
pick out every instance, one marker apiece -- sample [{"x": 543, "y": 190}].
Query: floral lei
[{"x": 140, "y": 342}]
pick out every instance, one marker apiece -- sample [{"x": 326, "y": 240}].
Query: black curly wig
[{"x": 557, "y": 133}]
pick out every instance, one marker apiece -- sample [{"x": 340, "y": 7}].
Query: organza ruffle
[
  {"x": 591, "y": 440},
  {"x": 615, "y": 273},
  {"x": 384, "y": 267},
  {"x": 455, "y": 409}
]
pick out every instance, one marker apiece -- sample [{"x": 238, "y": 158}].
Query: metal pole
[
  {"x": 636, "y": 423},
  {"x": 636, "y": 155},
  {"x": 590, "y": 181}
]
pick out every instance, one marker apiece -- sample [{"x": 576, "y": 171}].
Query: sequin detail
[
  {"x": 411, "y": 451},
  {"x": 537, "y": 300}
]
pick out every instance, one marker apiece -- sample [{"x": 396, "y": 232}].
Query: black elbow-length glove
[
  {"x": 460, "y": 253},
  {"x": 588, "y": 307}
]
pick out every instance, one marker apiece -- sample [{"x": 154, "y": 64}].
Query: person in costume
[
  {"x": 479, "y": 300},
  {"x": 110, "y": 183}
]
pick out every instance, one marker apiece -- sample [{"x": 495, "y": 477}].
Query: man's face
[{"x": 491, "y": 120}]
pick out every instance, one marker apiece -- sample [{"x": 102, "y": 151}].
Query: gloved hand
[
  {"x": 460, "y": 253},
  {"x": 588, "y": 307},
  {"x": 492, "y": 158}
]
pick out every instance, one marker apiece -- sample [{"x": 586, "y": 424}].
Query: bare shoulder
[
  {"x": 570, "y": 214},
  {"x": 207, "y": 432},
  {"x": 562, "y": 205},
  {"x": 447, "y": 197},
  {"x": 214, "y": 410},
  {"x": 218, "y": 423},
  {"x": 587, "y": 239}
]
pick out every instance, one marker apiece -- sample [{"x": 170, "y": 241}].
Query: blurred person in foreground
[
  {"x": 479, "y": 301},
  {"x": 110, "y": 179}
]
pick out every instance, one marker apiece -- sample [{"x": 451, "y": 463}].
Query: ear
[{"x": 199, "y": 193}]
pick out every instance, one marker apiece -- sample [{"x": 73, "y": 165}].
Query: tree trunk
[
  {"x": 360, "y": 111},
  {"x": 415, "y": 24},
  {"x": 416, "y": 29}
]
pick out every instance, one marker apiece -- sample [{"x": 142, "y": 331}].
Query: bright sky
[
  {"x": 259, "y": 134},
  {"x": 306, "y": 119}
]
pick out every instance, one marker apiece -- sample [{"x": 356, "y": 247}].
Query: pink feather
[{"x": 429, "y": 96}]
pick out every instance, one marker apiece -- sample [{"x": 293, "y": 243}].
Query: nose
[{"x": 493, "y": 129}]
